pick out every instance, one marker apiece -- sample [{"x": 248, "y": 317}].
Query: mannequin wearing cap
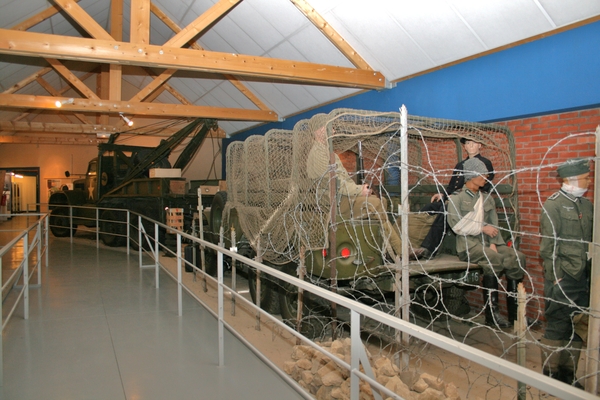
[
  {"x": 438, "y": 228},
  {"x": 566, "y": 228},
  {"x": 486, "y": 249},
  {"x": 355, "y": 201}
]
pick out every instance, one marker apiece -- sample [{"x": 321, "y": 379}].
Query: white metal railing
[
  {"x": 357, "y": 311},
  {"x": 34, "y": 238}
]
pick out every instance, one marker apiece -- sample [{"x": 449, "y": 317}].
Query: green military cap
[{"x": 573, "y": 167}]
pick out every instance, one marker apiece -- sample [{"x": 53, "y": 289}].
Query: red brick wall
[{"x": 542, "y": 143}]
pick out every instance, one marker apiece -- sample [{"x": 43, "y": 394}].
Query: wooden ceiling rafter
[
  {"x": 108, "y": 48},
  {"x": 159, "y": 110}
]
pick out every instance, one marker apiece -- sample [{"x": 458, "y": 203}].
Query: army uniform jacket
[
  {"x": 566, "y": 228},
  {"x": 317, "y": 166},
  {"x": 463, "y": 202}
]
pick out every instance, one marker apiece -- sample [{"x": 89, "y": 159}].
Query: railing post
[
  {"x": 233, "y": 274},
  {"x": 39, "y": 254},
  {"x": 71, "y": 223},
  {"x": 140, "y": 246},
  {"x": 179, "y": 283},
  {"x": 98, "y": 228},
  {"x": 220, "y": 301},
  {"x": 156, "y": 259},
  {"x": 26, "y": 275},
  {"x": 258, "y": 259},
  {"x": 1, "y": 334},
  {"x": 355, "y": 343},
  {"x": 46, "y": 240},
  {"x": 128, "y": 219}
]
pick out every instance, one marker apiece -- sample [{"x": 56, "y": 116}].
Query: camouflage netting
[{"x": 280, "y": 208}]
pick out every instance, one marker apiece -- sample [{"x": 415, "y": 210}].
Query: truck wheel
[
  {"x": 455, "y": 301},
  {"x": 269, "y": 300},
  {"x": 316, "y": 320},
  {"x": 288, "y": 298},
  {"x": 59, "y": 223},
  {"x": 112, "y": 233},
  {"x": 426, "y": 301},
  {"x": 216, "y": 216}
]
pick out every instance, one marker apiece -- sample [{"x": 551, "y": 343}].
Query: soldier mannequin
[
  {"x": 487, "y": 249},
  {"x": 566, "y": 228}
]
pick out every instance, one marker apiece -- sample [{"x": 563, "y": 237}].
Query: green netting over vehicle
[{"x": 280, "y": 209}]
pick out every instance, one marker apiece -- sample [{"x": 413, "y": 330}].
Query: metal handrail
[
  {"x": 357, "y": 310},
  {"x": 39, "y": 243}
]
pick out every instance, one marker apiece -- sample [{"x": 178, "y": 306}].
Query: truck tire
[
  {"x": 112, "y": 233},
  {"x": 269, "y": 293},
  {"x": 59, "y": 223},
  {"x": 216, "y": 216},
  {"x": 288, "y": 298}
]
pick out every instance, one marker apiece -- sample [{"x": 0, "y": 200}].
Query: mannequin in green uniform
[{"x": 566, "y": 228}]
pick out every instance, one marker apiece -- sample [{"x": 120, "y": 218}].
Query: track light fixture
[
  {"x": 60, "y": 103},
  {"x": 127, "y": 120}
]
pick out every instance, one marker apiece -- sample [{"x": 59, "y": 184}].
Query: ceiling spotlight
[
  {"x": 127, "y": 120},
  {"x": 60, "y": 103}
]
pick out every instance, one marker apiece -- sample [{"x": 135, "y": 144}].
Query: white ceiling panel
[
  {"x": 514, "y": 20},
  {"x": 397, "y": 38},
  {"x": 311, "y": 46},
  {"x": 395, "y": 57},
  {"x": 176, "y": 10},
  {"x": 273, "y": 11},
  {"x": 253, "y": 24},
  {"x": 437, "y": 29},
  {"x": 565, "y": 12}
]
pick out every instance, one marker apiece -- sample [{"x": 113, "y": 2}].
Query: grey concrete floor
[{"x": 99, "y": 329}]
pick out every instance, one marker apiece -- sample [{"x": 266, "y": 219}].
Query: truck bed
[{"x": 441, "y": 263}]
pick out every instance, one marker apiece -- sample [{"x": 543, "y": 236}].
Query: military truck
[
  {"x": 136, "y": 178},
  {"x": 286, "y": 220}
]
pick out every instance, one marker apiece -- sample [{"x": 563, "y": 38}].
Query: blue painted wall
[{"x": 554, "y": 74}]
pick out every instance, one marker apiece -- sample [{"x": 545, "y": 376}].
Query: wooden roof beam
[
  {"x": 109, "y": 51},
  {"x": 158, "y": 110}
]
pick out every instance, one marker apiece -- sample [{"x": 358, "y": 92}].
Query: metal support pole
[
  {"x": 98, "y": 228},
  {"x": 2, "y": 332},
  {"x": 405, "y": 296},
  {"x": 593, "y": 339},
  {"x": 520, "y": 332},
  {"x": 71, "y": 223},
  {"x": 301, "y": 273},
  {"x": 140, "y": 245},
  {"x": 128, "y": 226},
  {"x": 46, "y": 240},
  {"x": 233, "y": 278},
  {"x": 258, "y": 259},
  {"x": 156, "y": 256},
  {"x": 355, "y": 343},
  {"x": 220, "y": 302},
  {"x": 26, "y": 275},
  {"x": 179, "y": 283},
  {"x": 39, "y": 254}
]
